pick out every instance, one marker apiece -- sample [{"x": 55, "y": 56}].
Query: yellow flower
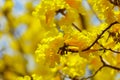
[{"x": 73, "y": 65}]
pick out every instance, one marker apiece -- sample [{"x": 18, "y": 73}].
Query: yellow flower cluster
[
  {"x": 48, "y": 10},
  {"x": 105, "y": 10},
  {"x": 65, "y": 49},
  {"x": 73, "y": 65}
]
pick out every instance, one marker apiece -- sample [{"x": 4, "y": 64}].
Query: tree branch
[
  {"x": 62, "y": 11},
  {"x": 99, "y": 36},
  {"x": 104, "y": 65},
  {"x": 93, "y": 74},
  {"x": 76, "y": 27},
  {"x": 104, "y": 48}
]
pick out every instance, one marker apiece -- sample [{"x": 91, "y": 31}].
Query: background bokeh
[{"x": 19, "y": 35}]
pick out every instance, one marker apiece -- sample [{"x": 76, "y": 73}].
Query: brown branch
[
  {"x": 103, "y": 62},
  {"x": 82, "y": 18},
  {"x": 104, "y": 48},
  {"x": 107, "y": 65},
  {"x": 62, "y": 11},
  {"x": 96, "y": 71},
  {"x": 113, "y": 51},
  {"x": 104, "y": 65},
  {"x": 93, "y": 74},
  {"x": 76, "y": 27},
  {"x": 99, "y": 36},
  {"x": 113, "y": 67}
]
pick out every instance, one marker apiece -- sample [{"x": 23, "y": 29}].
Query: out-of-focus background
[{"x": 19, "y": 36}]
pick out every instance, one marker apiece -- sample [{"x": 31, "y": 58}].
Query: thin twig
[
  {"x": 104, "y": 48},
  {"x": 99, "y": 36},
  {"x": 76, "y": 27},
  {"x": 93, "y": 74},
  {"x": 62, "y": 11},
  {"x": 107, "y": 65},
  {"x": 103, "y": 62},
  {"x": 104, "y": 65},
  {"x": 82, "y": 20},
  {"x": 113, "y": 67}
]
